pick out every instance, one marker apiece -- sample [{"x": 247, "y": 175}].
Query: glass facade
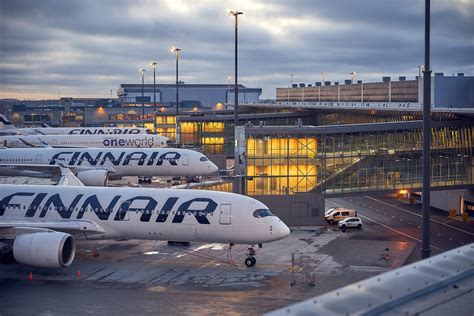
[
  {"x": 166, "y": 126},
  {"x": 356, "y": 161},
  {"x": 279, "y": 165}
]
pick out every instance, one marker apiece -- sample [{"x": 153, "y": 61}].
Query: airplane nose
[
  {"x": 212, "y": 167},
  {"x": 282, "y": 230}
]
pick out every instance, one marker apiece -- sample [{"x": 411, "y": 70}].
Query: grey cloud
[{"x": 108, "y": 44}]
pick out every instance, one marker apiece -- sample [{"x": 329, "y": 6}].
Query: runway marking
[
  {"x": 390, "y": 228},
  {"x": 433, "y": 220},
  {"x": 450, "y": 238}
]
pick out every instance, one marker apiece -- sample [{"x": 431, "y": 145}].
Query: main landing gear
[{"x": 250, "y": 261}]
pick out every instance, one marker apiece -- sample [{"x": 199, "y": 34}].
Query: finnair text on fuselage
[
  {"x": 123, "y": 158},
  {"x": 43, "y": 203},
  {"x": 117, "y": 161},
  {"x": 94, "y": 131}
]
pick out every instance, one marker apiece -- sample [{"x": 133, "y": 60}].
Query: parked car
[
  {"x": 175, "y": 180},
  {"x": 339, "y": 214},
  {"x": 330, "y": 210},
  {"x": 350, "y": 222}
]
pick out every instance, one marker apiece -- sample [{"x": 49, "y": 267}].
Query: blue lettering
[
  {"x": 171, "y": 156},
  {"x": 199, "y": 214},
  {"x": 166, "y": 209},
  {"x": 6, "y": 201},
  {"x": 63, "y": 211},
  {"x": 93, "y": 202},
  {"x": 35, "y": 204}
]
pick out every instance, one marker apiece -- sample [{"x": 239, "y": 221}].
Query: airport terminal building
[
  {"x": 190, "y": 95},
  {"x": 455, "y": 91}
]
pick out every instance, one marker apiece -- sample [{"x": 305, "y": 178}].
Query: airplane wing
[
  {"x": 63, "y": 175},
  {"x": 27, "y": 143},
  {"x": 69, "y": 226}
]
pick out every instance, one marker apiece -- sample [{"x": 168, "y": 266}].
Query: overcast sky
[{"x": 85, "y": 48}]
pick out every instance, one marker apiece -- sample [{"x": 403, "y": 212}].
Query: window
[
  {"x": 262, "y": 213},
  {"x": 203, "y": 159},
  {"x": 345, "y": 213}
]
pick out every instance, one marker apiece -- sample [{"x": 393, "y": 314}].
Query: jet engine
[
  {"x": 95, "y": 178},
  {"x": 45, "y": 249}
]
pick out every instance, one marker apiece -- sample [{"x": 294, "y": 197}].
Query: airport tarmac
[{"x": 151, "y": 277}]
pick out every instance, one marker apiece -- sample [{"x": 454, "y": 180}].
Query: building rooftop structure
[
  {"x": 447, "y": 92},
  {"x": 190, "y": 95}
]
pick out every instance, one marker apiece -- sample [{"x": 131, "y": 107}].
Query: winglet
[
  {"x": 68, "y": 178},
  {"x": 5, "y": 123}
]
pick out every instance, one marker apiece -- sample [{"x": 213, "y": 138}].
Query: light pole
[
  {"x": 324, "y": 76},
  {"x": 142, "y": 71},
  {"x": 176, "y": 51},
  {"x": 426, "y": 164},
  {"x": 291, "y": 86},
  {"x": 229, "y": 78},
  {"x": 236, "y": 14},
  {"x": 154, "y": 64},
  {"x": 420, "y": 68},
  {"x": 353, "y": 74}
]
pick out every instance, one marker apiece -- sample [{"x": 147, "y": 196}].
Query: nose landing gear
[{"x": 250, "y": 261}]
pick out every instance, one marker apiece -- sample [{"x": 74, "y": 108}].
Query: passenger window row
[{"x": 101, "y": 210}]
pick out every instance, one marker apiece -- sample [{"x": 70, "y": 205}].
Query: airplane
[
  {"x": 7, "y": 128},
  {"x": 94, "y": 166},
  {"x": 39, "y": 223},
  {"x": 74, "y": 141}
]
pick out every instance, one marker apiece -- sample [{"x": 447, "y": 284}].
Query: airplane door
[
  {"x": 38, "y": 159},
  {"x": 225, "y": 214},
  {"x": 123, "y": 211},
  {"x": 185, "y": 160}
]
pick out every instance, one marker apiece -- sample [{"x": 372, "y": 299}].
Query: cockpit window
[
  {"x": 203, "y": 159},
  {"x": 262, "y": 213}
]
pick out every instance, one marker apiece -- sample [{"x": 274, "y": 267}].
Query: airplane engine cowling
[
  {"x": 47, "y": 250},
  {"x": 94, "y": 178}
]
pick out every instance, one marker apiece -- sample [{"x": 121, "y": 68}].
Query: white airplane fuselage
[
  {"x": 119, "y": 162},
  {"x": 155, "y": 214},
  {"x": 7, "y": 128},
  {"x": 95, "y": 141}
]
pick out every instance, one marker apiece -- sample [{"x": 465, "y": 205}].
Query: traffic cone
[
  {"x": 78, "y": 273},
  {"x": 30, "y": 277}
]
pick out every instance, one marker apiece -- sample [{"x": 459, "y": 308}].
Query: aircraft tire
[{"x": 250, "y": 261}]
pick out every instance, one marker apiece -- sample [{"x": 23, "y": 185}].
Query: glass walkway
[{"x": 339, "y": 159}]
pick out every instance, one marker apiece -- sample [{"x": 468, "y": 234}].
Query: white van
[{"x": 339, "y": 214}]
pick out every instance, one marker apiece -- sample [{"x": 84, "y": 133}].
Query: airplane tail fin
[{"x": 5, "y": 123}]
